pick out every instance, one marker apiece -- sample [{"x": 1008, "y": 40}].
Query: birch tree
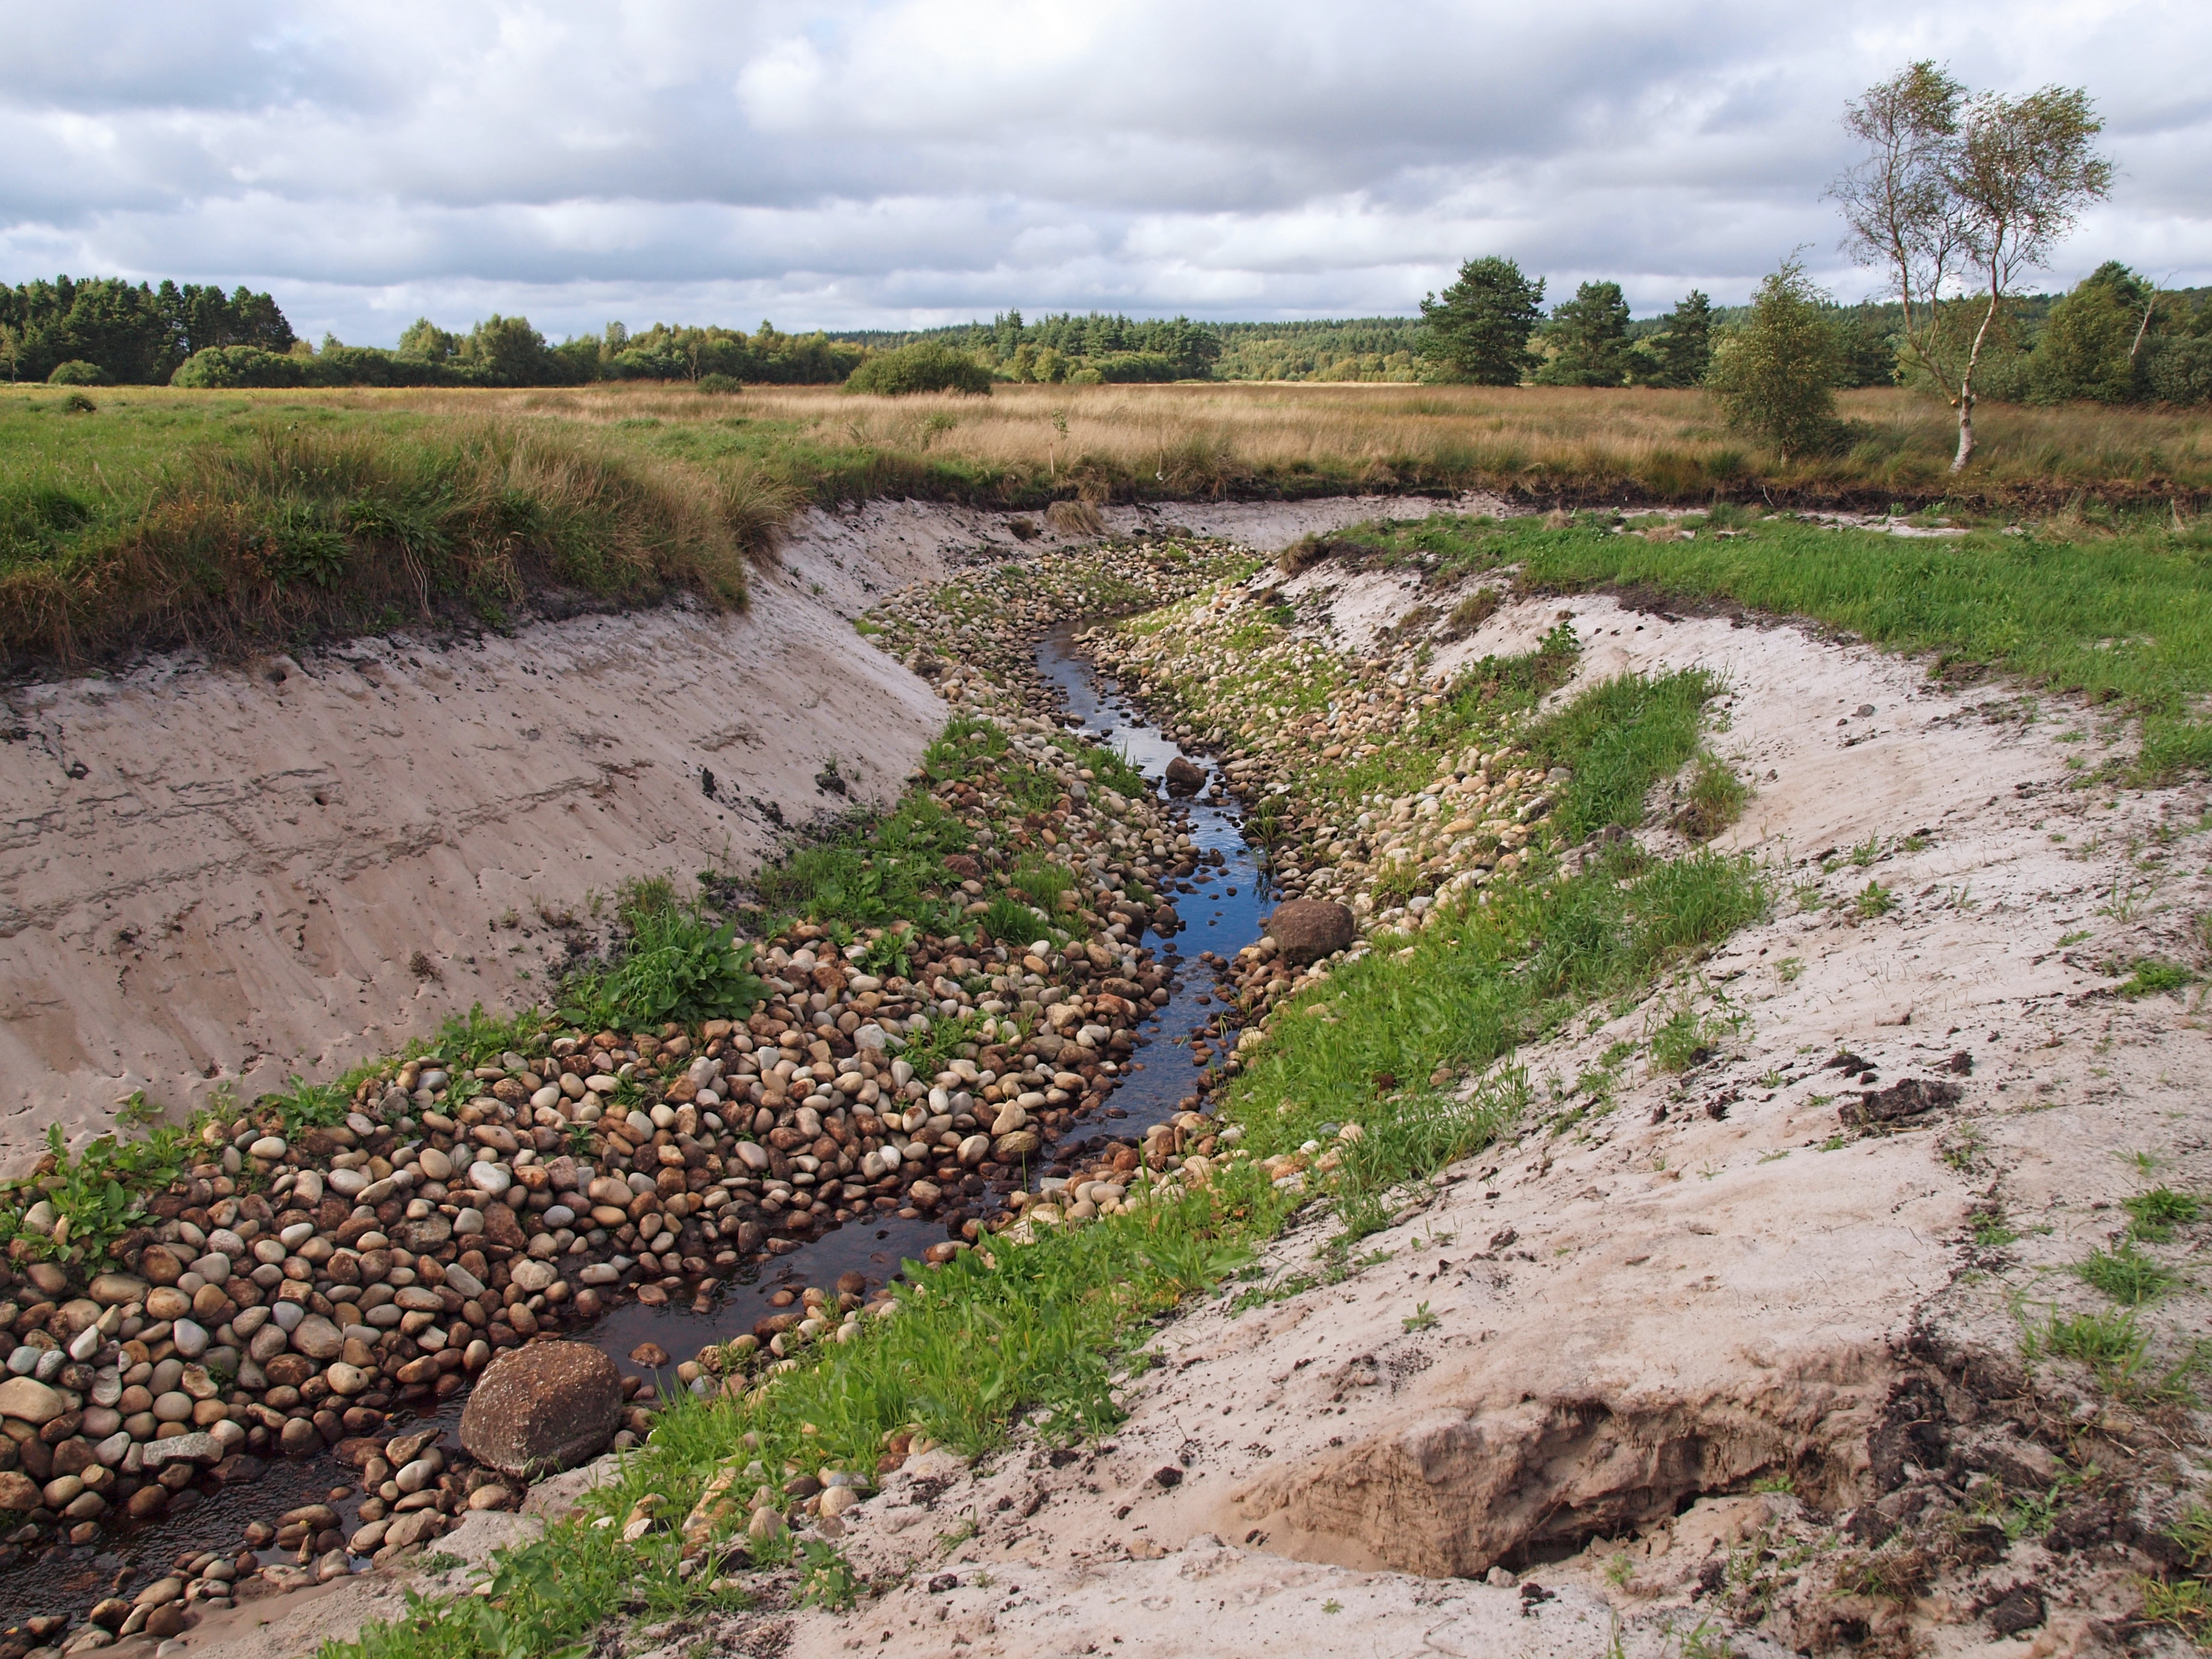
[{"x": 1957, "y": 198}]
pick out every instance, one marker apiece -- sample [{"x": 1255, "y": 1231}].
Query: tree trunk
[{"x": 1966, "y": 386}]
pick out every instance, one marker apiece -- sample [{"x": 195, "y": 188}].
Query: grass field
[{"x": 152, "y": 516}]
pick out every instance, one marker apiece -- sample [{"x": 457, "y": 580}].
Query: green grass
[
  {"x": 674, "y": 963},
  {"x": 2126, "y": 1275},
  {"x": 1621, "y": 736},
  {"x": 1049, "y": 1333},
  {"x": 2153, "y": 1215},
  {"x": 226, "y": 523},
  {"x": 2121, "y": 615}
]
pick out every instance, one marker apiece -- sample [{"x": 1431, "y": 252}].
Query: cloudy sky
[{"x": 845, "y": 163}]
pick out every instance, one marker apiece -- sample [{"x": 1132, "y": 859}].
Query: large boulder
[
  {"x": 544, "y": 1408},
  {"x": 1185, "y": 776},
  {"x": 1306, "y": 929}
]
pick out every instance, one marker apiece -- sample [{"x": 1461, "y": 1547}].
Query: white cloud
[{"x": 846, "y": 163}]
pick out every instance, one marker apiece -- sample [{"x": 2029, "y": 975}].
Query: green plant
[
  {"x": 1715, "y": 800},
  {"x": 673, "y": 964},
  {"x": 923, "y": 366},
  {"x": 826, "y": 1578},
  {"x": 2111, "y": 1344},
  {"x": 1873, "y": 900},
  {"x": 1788, "y": 970},
  {"x": 1478, "y": 329},
  {"x": 2151, "y": 977},
  {"x": 1419, "y": 1320},
  {"x": 2126, "y": 1275},
  {"x": 1774, "y": 374},
  {"x": 2154, "y": 1214}
]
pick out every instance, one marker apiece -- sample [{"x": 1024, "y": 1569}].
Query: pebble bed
[{"x": 305, "y": 1288}]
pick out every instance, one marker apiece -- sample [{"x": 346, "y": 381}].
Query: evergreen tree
[
  {"x": 1682, "y": 350},
  {"x": 1478, "y": 330},
  {"x": 1589, "y": 337}
]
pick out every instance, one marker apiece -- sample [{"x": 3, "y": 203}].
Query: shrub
[
  {"x": 1774, "y": 375},
  {"x": 724, "y": 386},
  {"x": 925, "y": 366},
  {"x": 2180, "y": 370},
  {"x": 221, "y": 368},
  {"x": 78, "y": 372}
]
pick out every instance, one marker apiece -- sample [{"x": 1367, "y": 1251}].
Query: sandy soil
[{"x": 1694, "y": 1282}]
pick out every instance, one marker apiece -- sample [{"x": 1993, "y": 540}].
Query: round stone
[
  {"x": 269, "y": 1147},
  {"x": 490, "y": 1179}
]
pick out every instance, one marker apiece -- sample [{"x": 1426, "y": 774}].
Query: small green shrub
[
  {"x": 78, "y": 372},
  {"x": 924, "y": 366},
  {"x": 675, "y": 964}
]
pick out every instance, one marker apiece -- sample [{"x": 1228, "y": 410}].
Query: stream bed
[{"x": 1219, "y": 907}]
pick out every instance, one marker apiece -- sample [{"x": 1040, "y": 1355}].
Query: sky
[{"x": 903, "y": 163}]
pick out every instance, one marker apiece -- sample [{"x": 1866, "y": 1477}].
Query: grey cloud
[{"x": 849, "y": 161}]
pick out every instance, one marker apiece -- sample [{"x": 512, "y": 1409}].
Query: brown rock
[
  {"x": 19, "y": 1493},
  {"x": 501, "y": 1228},
  {"x": 1184, "y": 777},
  {"x": 160, "y": 1265},
  {"x": 546, "y": 1407},
  {"x": 1306, "y": 929}
]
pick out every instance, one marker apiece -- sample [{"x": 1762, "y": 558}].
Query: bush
[
  {"x": 78, "y": 372},
  {"x": 2086, "y": 347},
  {"x": 925, "y": 366},
  {"x": 221, "y": 368},
  {"x": 2180, "y": 370},
  {"x": 1774, "y": 374},
  {"x": 723, "y": 385}
]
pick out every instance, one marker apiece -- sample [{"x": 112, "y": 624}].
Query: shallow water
[{"x": 1221, "y": 912}]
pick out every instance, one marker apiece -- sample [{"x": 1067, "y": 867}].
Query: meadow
[{"x": 148, "y": 516}]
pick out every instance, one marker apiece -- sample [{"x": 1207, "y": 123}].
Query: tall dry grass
[
  {"x": 1026, "y": 443},
  {"x": 170, "y": 516}
]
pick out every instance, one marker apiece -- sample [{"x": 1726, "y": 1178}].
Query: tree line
[{"x": 101, "y": 328}]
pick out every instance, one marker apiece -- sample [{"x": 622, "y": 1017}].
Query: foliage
[
  {"x": 1621, "y": 736},
  {"x": 673, "y": 964},
  {"x": 1680, "y": 350},
  {"x": 290, "y": 531},
  {"x": 925, "y": 366},
  {"x": 2127, "y": 618},
  {"x": 2153, "y": 1215},
  {"x": 1953, "y": 187},
  {"x": 1587, "y": 338},
  {"x": 2126, "y": 1274},
  {"x": 1478, "y": 330},
  {"x": 1774, "y": 376},
  {"x": 2089, "y": 346},
  {"x": 96, "y": 1193},
  {"x": 132, "y": 336}
]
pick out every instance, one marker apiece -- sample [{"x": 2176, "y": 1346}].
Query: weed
[
  {"x": 2126, "y": 1275},
  {"x": 1782, "y": 1481},
  {"x": 2154, "y": 1214},
  {"x": 2073, "y": 936},
  {"x": 1873, "y": 900},
  {"x": 2151, "y": 977},
  {"x": 1789, "y": 970},
  {"x": 1866, "y": 851},
  {"x": 826, "y": 1579},
  {"x": 1331, "y": 1605},
  {"x": 2111, "y": 1344},
  {"x": 1715, "y": 800},
  {"x": 674, "y": 964},
  {"x": 1419, "y": 1320}
]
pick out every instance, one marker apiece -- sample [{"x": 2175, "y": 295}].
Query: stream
[{"x": 1220, "y": 905}]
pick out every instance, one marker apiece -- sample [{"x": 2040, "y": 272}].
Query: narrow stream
[{"x": 1220, "y": 907}]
